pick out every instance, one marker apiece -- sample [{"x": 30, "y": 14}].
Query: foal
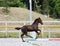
[{"x": 30, "y": 28}]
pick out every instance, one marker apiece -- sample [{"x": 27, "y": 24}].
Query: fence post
[
  {"x": 19, "y": 33},
  {"x": 49, "y": 33},
  {"x": 42, "y": 30},
  {"x": 6, "y": 28}
]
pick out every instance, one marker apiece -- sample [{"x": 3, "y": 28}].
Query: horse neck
[{"x": 35, "y": 23}]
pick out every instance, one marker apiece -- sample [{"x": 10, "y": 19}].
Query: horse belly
[{"x": 30, "y": 30}]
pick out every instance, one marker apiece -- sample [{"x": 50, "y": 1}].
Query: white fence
[{"x": 24, "y": 23}]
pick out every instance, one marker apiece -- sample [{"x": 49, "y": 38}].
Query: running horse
[{"x": 30, "y": 28}]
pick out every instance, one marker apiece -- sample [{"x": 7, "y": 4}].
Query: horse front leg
[
  {"x": 37, "y": 34},
  {"x": 39, "y": 30}
]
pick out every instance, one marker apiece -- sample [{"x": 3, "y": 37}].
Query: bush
[
  {"x": 5, "y": 10},
  {"x": 17, "y": 3}
]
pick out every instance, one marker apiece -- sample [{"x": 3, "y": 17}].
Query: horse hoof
[
  {"x": 23, "y": 41},
  {"x": 31, "y": 37}
]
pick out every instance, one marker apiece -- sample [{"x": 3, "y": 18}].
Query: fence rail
[
  {"x": 44, "y": 26},
  {"x": 24, "y": 23}
]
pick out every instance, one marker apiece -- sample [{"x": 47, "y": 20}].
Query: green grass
[
  {"x": 52, "y": 35},
  {"x": 13, "y": 34},
  {"x": 2, "y": 35},
  {"x": 9, "y": 34},
  {"x": 16, "y": 35}
]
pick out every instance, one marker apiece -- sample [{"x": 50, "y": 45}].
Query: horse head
[{"x": 40, "y": 21}]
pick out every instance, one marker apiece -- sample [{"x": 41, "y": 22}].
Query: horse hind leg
[
  {"x": 22, "y": 37},
  {"x": 29, "y": 36},
  {"x": 25, "y": 33}
]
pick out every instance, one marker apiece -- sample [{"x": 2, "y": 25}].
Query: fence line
[
  {"x": 44, "y": 26},
  {"x": 24, "y": 22}
]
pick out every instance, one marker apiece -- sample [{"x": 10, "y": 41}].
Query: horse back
[{"x": 30, "y": 27}]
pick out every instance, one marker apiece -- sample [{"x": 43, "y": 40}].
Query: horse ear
[{"x": 39, "y": 18}]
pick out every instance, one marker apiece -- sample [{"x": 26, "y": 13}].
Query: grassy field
[{"x": 16, "y": 35}]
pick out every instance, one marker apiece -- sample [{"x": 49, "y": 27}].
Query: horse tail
[{"x": 17, "y": 28}]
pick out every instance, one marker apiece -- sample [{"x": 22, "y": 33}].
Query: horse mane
[{"x": 35, "y": 21}]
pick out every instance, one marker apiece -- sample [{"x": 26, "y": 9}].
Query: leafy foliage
[{"x": 15, "y": 3}]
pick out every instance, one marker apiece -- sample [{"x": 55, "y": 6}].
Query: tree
[
  {"x": 6, "y": 8},
  {"x": 54, "y": 8},
  {"x": 37, "y": 6},
  {"x": 57, "y": 8},
  {"x": 45, "y": 7},
  {"x": 48, "y": 7},
  {"x": 15, "y": 3}
]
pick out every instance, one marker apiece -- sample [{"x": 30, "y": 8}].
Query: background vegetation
[{"x": 51, "y": 8}]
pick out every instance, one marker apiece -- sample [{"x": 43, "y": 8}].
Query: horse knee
[
  {"x": 39, "y": 30},
  {"x": 22, "y": 35}
]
